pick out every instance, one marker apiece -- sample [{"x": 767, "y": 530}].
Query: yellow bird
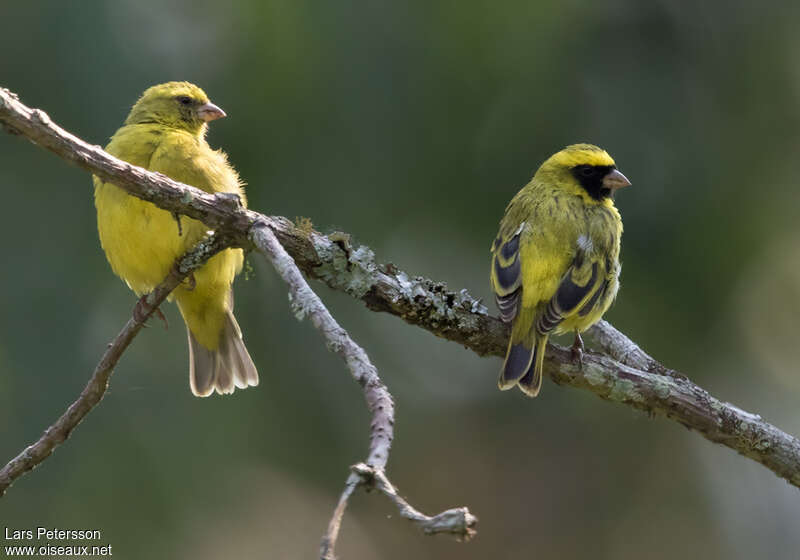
[
  {"x": 165, "y": 132},
  {"x": 555, "y": 261}
]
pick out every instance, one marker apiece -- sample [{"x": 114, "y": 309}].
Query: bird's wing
[
  {"x": 506, "y": 274},
  {"x": 579, "y": 289}
]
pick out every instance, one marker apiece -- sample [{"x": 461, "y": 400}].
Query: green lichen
[
  {"x": 304, "y": 224},
  {"x": 405, "y": 284},
  {"x": 661, "y": 388},
  {"x": 624, "y": 390},
  {"x": 352, "y": 271},
  {"x": 467, "y": 302},
  {"x": 718, "y": 408},
  {"x": 299, "y": 310},
  {"x": 362, "y": 271},
  {"x": 762, "y": 445},
  {"x": 440, "y": 305},
  {"x": 594, "y": 374}
]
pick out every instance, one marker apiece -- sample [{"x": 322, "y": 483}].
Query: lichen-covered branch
[
  {"x": 223, "y": 211},
  {"x": 95, "y": 389},
  {"x": 631, "y": 377},
  {"x": 239, "y": 226}
]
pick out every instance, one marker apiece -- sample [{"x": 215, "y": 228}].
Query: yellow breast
[{"x": 140, "y": 240}]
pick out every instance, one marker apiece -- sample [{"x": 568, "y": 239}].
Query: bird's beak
[
  {"x": 210, "y": 112},
  {"x": 615, "y": 180}
]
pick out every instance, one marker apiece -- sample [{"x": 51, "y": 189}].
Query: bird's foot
[
  {"x": 178, "y": 219},
  {"x": 577, "y": 350},
  {"x": 189, "y": 283},
  {"x": 140, "y": 312},
  {"x": 161, "y": 316}
]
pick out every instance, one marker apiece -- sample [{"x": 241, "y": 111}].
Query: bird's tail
[
  {"x": 227, "y": 367},
  {"x": 523, "y": 363}
]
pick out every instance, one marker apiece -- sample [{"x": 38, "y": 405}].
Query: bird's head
[
  {"x": 583, "y": 169},
  {"x": 178, "y": 105}
]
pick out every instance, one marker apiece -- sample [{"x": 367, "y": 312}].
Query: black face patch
[{"x": 591, "y": 177}]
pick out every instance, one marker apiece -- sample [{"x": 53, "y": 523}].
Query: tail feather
[
  {"x": 245, "y": 373},
  {"x": 523, "y": 365},
  {"x": 224, "y": 369},
  {"x": 518, "y": 361},
  {"x": 202, "y": 368},
  {"x": 531, "y": 383}
]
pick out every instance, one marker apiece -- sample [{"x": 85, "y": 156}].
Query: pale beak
[
  {"x": 615, "y": 180},
  {"x": 210, "y": 112}
]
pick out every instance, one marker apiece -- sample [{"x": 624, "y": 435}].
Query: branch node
[
  {"x": 366, "y": 473},
  {"x": 457, "y": 521},
  {"x": 229, "y": 201},
  {"x": 41, "y": 117}
]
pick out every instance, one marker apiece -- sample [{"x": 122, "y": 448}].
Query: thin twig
[
  {"x": 305, "y": 303},
  {"x": 328, "y": 544},
  {"x": 637, "y": 381},
  {"x": 95, "y": 389},
  {"x": 456, "y": 521}
]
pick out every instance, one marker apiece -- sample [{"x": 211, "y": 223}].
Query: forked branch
[
  {"x": 306, "y": 303},
  {"x": 238, "y": 227}
]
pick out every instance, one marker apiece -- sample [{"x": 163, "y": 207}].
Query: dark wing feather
[
  {"x": 506, "y": 275},
  {"x": 578, "y": 292}
]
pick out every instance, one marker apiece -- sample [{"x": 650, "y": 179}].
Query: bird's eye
[
  {"x": 184, "y": 100},
  {"x": 587, "y": 171}
]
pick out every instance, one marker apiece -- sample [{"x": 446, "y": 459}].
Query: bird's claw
[
  {"x": 140, "y": 312},
  {"x": 178, "y": 219},
  {"x": 577, "y": 350},
  {"x": 190, "y": 282},
  {"x": 161, "y": 316}
]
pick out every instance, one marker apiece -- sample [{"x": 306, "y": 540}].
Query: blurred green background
[{"x": 411, "y": 125}]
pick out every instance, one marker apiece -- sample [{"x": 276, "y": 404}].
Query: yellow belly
[
  {"x": 140, "y": 240},
  {"x": 142, "y": 243}
]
